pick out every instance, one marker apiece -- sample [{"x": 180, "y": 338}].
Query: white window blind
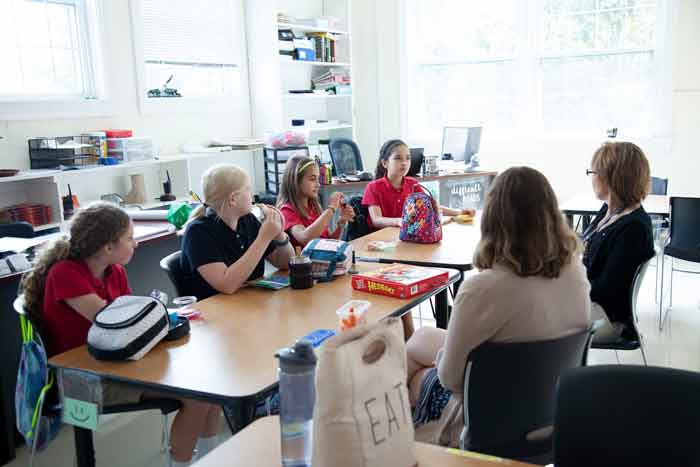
[
  {"x": 45, "y": 51},
  {"x": 194, "y": 42}
]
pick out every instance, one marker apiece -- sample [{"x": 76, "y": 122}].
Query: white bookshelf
[{"x": 272, "y": 76}]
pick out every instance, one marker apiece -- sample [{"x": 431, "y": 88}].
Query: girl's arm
[
  {"x": 379, "y": 221},
  {"x": 87, "y": 305},
  {"x": 230, "y": 279},
  {"x": 455, "y": 212},
  {"x": 304, "y": 235}
]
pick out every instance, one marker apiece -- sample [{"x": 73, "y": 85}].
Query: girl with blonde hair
[{"x": 224, "y": 244}]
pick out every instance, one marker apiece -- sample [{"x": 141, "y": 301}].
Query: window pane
[{"x": 598, "y": 92}]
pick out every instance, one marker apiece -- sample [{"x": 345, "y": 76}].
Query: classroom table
[
  {"x": 228, "y": 356},
  {"x": 455, "y": 251},
  {"x": 586, "y": 205},
  {"x": 259, "y": 445}
]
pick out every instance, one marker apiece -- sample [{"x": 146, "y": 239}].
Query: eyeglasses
[{"x": 590, "y": 172}]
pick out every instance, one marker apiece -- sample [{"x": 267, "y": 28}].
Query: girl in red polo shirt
[
  {"x": 385, "y": 196},
  {"x": 304, "y": 219},
  {"x": 74, "y": 279}
]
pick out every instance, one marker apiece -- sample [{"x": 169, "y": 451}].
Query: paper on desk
[
  {"x": 18, "y": 245},
  {"x": 148, "y": 214},
  {"x": 144, "y": 231}
]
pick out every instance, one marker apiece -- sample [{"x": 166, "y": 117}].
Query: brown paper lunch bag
[{"x": 362, "y": 416}]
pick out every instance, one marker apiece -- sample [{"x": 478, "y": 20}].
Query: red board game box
[{"x": 400, "y": 280}]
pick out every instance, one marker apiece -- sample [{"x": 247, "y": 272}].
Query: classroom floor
[{"x": 134, "y": 440}]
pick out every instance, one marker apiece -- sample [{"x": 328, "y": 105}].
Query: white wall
[
  {"x": 169, "y": 130},
  {"x": 378, "y": 78}
]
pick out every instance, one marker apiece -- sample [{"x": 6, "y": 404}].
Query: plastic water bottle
[{"x": 297, "y": 368}]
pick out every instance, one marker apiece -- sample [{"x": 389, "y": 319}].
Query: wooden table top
[
  {"x": 454, "y": 251},
  {"x": 259, "y": 444},
  {"x": 229, "y": 351},
  {"x": 587, "y": 203}
]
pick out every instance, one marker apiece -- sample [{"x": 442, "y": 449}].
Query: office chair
[
  {"x": 637, "y": 341},
  {"x": 345, "y": 156},
  {"x": 683, "y": 243},
  {"x": 172, "y": 266},
  {"x": 509, "y": 391},
  {"x": 627, "y": 416}
]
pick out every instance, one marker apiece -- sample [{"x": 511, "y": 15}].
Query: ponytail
[{"x": 384, "y": 155}]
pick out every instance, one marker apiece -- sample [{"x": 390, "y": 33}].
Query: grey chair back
[
  {"x": 345, "y": 156},
  {"x": 509, "y": 391},
  {"x": 172, "y": 266},
  {"x": 627, "y": 416}
]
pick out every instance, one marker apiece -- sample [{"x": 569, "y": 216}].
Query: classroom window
[
  {"x": 549, "y": 65},
  {"x": 45, "y": 49},
  {"x": 189, "y": 51}
]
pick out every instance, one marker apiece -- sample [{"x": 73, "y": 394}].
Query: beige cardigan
[{"x": 497, "y": 305}]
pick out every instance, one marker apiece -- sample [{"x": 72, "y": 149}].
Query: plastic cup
[
  {"x": 352, "y": 314},
  {"x": 185, "y": 306}
]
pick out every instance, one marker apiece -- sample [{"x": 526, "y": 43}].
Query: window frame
[
  {"x": 530, "y": 123},
  {"x": 156, "y": 106},
  {"x": 93, "y": 48}
]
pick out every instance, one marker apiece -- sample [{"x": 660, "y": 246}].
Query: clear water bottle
[{"x": 297, "y": 368}]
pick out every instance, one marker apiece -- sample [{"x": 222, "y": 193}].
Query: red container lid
[{"x": 119, "y": 133}]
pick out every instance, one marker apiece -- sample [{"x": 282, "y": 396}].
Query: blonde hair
[
  {"x": 522, "y": 227},
  {"x": 91, "y": 229},
  {"x": 218, "y": 182},
  {"x": 624, "y": 168},
  {"x": 290, "y": 192}
]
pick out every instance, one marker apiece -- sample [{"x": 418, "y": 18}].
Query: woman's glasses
[{"x": 590, "y": 172}]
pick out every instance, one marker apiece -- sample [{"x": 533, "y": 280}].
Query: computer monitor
[
  {"x": 461, "y": 142},
  {"x": 416, "y": 161}
]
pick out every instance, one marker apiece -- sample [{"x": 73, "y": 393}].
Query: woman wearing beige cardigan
[{"x": 531, "y": 286}]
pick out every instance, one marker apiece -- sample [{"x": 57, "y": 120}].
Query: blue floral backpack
[
  {"x": 421, "y": 222},
  {"x": 38, "y": 424}
]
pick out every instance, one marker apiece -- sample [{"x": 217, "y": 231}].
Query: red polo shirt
[
  {"x": 292, "y": 218},
  {"x": 65, "y": 328},
  {"x": 383, "y": 194}
]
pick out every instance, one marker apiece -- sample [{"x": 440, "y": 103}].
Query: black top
[
  {"x": 210, "y": 240},
  {"x": 612, "y": 256}
]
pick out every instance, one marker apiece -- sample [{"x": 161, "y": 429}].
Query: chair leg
[
  {"x": 656, "y": 283},
  {"x": 617, "y": 356},
  {"x": 641, "y": 347},
  {"x": 661, "y": 293},
  {"x": 670, "y": 286}
]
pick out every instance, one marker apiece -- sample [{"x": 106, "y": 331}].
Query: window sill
[
  {"x": 161, "y": 105},
  {"x": 55, "y": 108}
]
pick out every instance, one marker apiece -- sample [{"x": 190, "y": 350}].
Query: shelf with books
[
  {"x": 317, "y": 128},
  {"x": 310, "y": 63},
  {"x": 306, "y": 28},
  {"x": 308, "y": 96}
]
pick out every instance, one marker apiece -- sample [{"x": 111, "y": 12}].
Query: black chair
[
  {"x": 173, "y": 268},
  {"x": 627, "y": 416},
  {"x": 345, "y": 156},
  {"x": 683, "y": 242},
  {"x": 509, "y": 391},
  {"x": 17, "y": 229},
  {"x": 632, "y": 340},
  {"x": 83, "y": 437}
]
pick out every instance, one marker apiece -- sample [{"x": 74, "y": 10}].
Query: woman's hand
[
  {"x": 335, "y": 200},
  {"x": 272, "y": 226}
]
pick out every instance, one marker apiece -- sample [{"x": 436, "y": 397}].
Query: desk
[
  {"x": 228, "y": 355},
  {"x": 456, "y": 190},
  {"x": 259, "y": 445},
  {"x": 586, "y": 204},
  {"x": 455, "y": 251}
]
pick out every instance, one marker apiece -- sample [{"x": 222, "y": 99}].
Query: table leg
[
  {"x": 570, "y": 220},
  {"x": 84, "y": 447},
  {"x": 442, "y": 312}
]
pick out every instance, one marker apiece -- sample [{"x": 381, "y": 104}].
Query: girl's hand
[
  {"x": 272, "y": 225},
  {"x": 469, "y": 212},
  {"x": 347, "y": 214},
  {"x": 335, "y": 200}
]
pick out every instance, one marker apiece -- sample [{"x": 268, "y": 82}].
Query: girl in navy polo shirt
[
  {"x": 304, "y": 219},
  {"x": 384, "y": 197},
  {"x": 225, "y": 245},
  {"x": 74, "y": 279}
]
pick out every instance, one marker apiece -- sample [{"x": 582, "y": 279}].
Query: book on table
[{"x": 400, "y": 280}]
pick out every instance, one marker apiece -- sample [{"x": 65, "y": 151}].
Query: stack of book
[
  {"x": 333, "y": 81},
  {"x": 324, "y": 43}
]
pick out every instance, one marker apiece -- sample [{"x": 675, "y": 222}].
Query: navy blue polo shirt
[{"x": 210, "y": 240}]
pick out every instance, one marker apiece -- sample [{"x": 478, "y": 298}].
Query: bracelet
[{"x": 277, "y": 243}]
